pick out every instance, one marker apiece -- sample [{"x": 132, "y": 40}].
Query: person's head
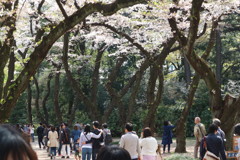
[
  {"x": 128, "y": 127},
  {"x": 52, "y": 128},
  {"x": 113, "y": 153},
  {"x": 13, "y": 146},
  {"x": 75, "y": 127},
  {"x": 95, "y": 124},
  {"x": 147, "y": 132},
  {"x": 217, "y": 122},
  {"x": 40, "y": 124},
  {"x": 87, "y": 128},
  {"x": 197, "y": 120},
  {"x": 64, "y": 125},
  {"x": 237, "y": 129},
  {"x": 165, "y": 123},
  {"x": 213, "y": 128},
  {"x": 105, "y": 125}
]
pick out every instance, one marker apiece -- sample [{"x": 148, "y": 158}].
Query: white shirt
[
  {"x": 130, "y": 142},
  {"x": 87, "y": 137},
  {"x": 149, "y": 146}
]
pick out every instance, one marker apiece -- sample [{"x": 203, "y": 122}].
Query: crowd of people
[{"x": 96, "y": 143}]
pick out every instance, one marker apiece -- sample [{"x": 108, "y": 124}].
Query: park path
[{"x": 43, "y": 155}]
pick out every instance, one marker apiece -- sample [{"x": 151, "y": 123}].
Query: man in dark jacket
[
  {"x": 214, "y": 143},
  {"x": 96, "y": 143},
  {"x": 40, "y": 130}
]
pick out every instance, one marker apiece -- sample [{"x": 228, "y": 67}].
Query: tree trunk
[
  {"x": 56, "y": 96},
  {"x": 187, "y": 71},
  {"x": 181, "y": 124},
  {"x": 29, "y": 106},
  {"x": 38, "y": 112},
  {"x": 218, "y": 47},
  {"x": 45, "y": 110}
]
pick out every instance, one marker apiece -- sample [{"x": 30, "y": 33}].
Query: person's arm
[
  {"x": 195, "y": 131},
  {"x": 121, "y": 143},
  {"x": 93, "y": 135},
  {"x": 222, "y": 150},
  {"x": 138, "y": 150},
  {"x": 202, "y": 149}
]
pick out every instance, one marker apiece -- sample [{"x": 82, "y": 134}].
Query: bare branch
[{"x": 62, "y": 9}]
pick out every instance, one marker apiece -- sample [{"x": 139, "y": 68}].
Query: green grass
[{"x": 179, "y": 157}]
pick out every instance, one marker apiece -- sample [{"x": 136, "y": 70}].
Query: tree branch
[{"x": 62, "y": 9}]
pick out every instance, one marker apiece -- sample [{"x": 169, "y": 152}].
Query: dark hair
[
  {"x": 40, "y": 123},
  {"x": 212, "y": 128},
  {"x": 147, "y": 132},
  {"x": 87, "y": 128},
  {"x": 104, "y": 125},
  {"x": 75, "y": 127},
  {"x": 96, "y": 124},
  {"x": 12, "y": 144},
  {"x": 217, "y": 122},
  {"x": 113, "y": 153},
  {"x": 237, "y": 129},
  {"x": 165, "y": 123},
  {"x": 129, "y": 127},
  {"x": 52, "y": 128}
]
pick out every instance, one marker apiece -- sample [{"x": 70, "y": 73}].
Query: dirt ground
[{"x": 43, "y": 155}]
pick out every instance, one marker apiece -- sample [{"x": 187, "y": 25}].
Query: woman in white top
[
  {"x": 148, "y": 145},
  {"x": 53, "y": 141},
  {"x": 87, "y": 147},
  {"x": 237, "y": 133},
  {"x": 31, "y": 127}
]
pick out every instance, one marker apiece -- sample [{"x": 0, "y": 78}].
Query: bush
[{"x": 179, "y": 157}]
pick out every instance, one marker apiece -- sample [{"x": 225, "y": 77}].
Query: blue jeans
[
  {"x": 86, "y": 153},
  {"x": 53, "y": 151},
  {"x": 32, "y": 135}
]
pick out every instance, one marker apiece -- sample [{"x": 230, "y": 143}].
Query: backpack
[
  {"x": 108, "y": 139},
  {"x": 108, "y": 136}
]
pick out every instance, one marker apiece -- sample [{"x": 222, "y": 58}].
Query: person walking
[
  {"x": 40, "y": 131},
  {"x": 53, "y": 141},
  {"x": 96, "y": 142},
  {"x": 75, "y": 136},
  {"x": 148, "y": 144},
  {"x": 130, "y": 142},
  {"x": 214, "y": 143},
  {"x": 107, "y": 137},
  {"x": 84, "y": 143},
  {"x": 199, "y": 133},
  {"x": 32, "y": 132},
  {"x": 167, "y": 135},
  {"x": 220, "y": 132},
  {"x": 65, "y": 139}
]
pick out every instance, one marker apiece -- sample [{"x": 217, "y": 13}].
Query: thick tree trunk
[
  {"x": 187, "y": 71},
  {"x": 11, "y": 68},
  {"x": 57, "y": 109},
  {"x": 181, "y": 124},
  {"x": 29, "y": 104}
]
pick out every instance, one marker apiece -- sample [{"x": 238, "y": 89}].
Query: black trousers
[
  {"x": 40, "y": 141},
  {"x": 94, "y": 153},
  {"x": 164, "y": 147}
]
